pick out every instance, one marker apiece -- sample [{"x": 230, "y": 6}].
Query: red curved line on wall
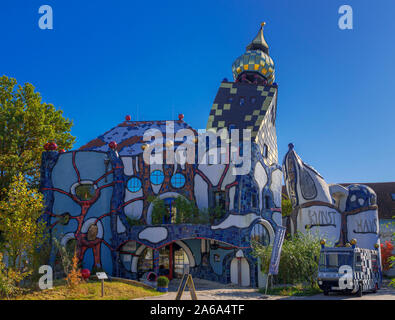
[
  {"x": 103, "y": 176},
  {"x": 204, "y": 177},
  {"x": 60, "y": 191},
  {"x": 130, "y": 201},
  {"x": 75, "y": 167}
]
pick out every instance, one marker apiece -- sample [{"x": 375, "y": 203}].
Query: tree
[
  {"x": 26, "y": 124},
  {"x": 23, "y": 233},
  {"x": 286, "y": 207}
]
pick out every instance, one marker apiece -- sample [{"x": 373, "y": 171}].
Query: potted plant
[{"x": 162, "y": 284}]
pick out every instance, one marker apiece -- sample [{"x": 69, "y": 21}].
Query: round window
[
  {"x": 178, "y": 180},
  {"x": 157, "y": 177},
  {"x": 134, "y": 184}
]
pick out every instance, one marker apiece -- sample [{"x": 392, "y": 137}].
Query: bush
[
  {"x": 263, "y": 253},
  {"x": 159, "y": 211},
  {"x": 8, "y": 280},
  {"x": 386, "y": 255},
  {"x": 298, "y": 263},
  {"x": 74, "y": 277},
  {"x": 162, "y": 282}
]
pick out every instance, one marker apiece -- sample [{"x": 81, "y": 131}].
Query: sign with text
[{"x": 101, "y": 275}]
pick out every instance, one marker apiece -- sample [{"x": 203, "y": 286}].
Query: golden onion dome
[{"x": 256, "y": 59}]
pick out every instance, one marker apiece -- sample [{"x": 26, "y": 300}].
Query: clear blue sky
[{"x": 155, "y": 59}]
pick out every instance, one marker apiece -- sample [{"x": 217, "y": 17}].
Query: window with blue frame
[
  {"x": 134, "y": 184},
  {"x": 157, "y": 177},
  {"x": 178, "y": 180}
]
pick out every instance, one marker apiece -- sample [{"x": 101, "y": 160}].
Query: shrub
[
  {"x": 74, "y": 277},
  {"x": 162, "y": 282},
  {"x": 8, "y": 280},
  {"x": 298, "y": 263},
  {"x": 386, "y": 255},
  {"x": 159, "y": 211},
  {"x": 263, "y": 253}
]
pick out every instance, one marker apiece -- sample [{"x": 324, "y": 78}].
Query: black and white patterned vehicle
[{"x": 349, "y": 270}]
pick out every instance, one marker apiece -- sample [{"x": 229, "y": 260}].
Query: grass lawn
[
  {"x": 295, "y": 290},
  {"x": 91, "y": 290}
]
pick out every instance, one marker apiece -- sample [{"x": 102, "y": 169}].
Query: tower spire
[{"x": 259, "y": 42}]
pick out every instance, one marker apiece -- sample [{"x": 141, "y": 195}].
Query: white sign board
[{"x": 101, "y": 275}]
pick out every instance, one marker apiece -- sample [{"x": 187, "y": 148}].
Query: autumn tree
[
  {"x": 23, "y": 233},
  {"x": 26, "y": 124}
]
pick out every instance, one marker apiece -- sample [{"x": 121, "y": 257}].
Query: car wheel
[
  {"x": 326, "y": 292},
  {"x": 359, "y": 292}
]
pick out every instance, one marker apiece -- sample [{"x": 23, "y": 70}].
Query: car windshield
[{"x": 331, "y": 261}]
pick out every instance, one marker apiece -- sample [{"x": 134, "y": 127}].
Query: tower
[{"x": 250, "y": 102}]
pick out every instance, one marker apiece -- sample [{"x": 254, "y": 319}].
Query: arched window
[
  {"x": 157, "y": 177},
  {"x": 260, "y": 234}
]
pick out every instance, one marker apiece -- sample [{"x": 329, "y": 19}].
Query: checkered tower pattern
[
  {"x": 254, "y": 61},
  {"x": 247, "y": 106}
]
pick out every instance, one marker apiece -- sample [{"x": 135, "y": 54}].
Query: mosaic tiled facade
[
  {"x": 330, "y": 211},
  {"x": 102, "y": 196}
]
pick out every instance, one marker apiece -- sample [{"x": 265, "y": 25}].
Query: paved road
[{"x": 208, "y": 290}]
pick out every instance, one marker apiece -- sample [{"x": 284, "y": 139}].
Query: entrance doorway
[
  {"x": 173, "y": 261},
  {"x": 240, "y": 272}
]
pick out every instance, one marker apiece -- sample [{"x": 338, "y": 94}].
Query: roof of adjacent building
[
  {"x": 384, "y": 192},
  {"x": 242, "y": 105},
  {"x": 129, "y": 136}
]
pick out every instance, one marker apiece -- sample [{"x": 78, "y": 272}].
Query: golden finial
[{"x": 263, "y": 24}]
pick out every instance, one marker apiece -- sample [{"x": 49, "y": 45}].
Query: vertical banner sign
[{"x": 276, "y": 252}]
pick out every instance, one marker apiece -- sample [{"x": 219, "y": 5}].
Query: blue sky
[{"x": 155, "y": 59}]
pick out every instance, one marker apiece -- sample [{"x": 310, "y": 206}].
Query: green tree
[
  {"x": 286, "y": 207},
  {"x": 26, "y": 124},
  {"x": 23, "y": 233}
]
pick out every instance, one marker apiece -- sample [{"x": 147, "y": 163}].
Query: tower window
[
  {"x": 253, "y": 100},
  {"x": 265, "y": 150},
  {"x": 242, "y": 101},
  {"x": 393, "y": 196}
]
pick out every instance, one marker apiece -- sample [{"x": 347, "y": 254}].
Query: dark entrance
[{"x": 172, "y": 261}]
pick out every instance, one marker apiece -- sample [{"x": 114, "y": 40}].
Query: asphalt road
[{"x": 207, "y": 290}]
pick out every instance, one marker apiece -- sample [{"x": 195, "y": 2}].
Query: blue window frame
[
  {"x": 178, "y": 180},
  {"x": 157, "y": 177},
  {"x": 134, "y": 184}
]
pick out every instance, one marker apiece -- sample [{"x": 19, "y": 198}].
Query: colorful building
[{"x": 130, "y": 216}]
